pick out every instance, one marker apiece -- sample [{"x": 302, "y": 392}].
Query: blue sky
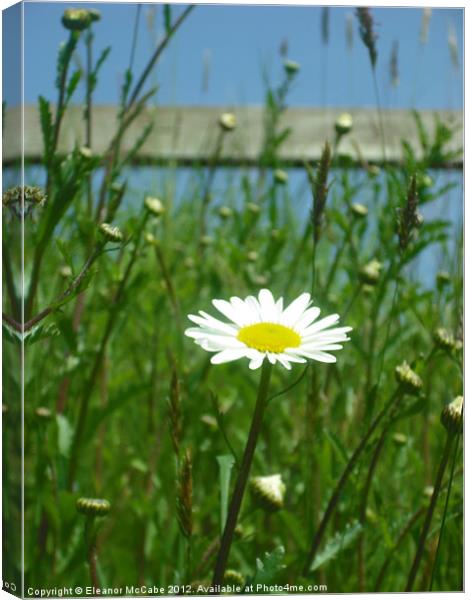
[{"x": 240, "y": 42}]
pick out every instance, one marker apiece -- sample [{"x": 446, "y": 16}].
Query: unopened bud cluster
[
  {"x": 291, "y": 67},
  {"x": 154, "y": 206},
  {"x": 235, "y": 578},
  {"x": 452, "y": 416},
  {"x": 343, "y": 124},
  {"x": 94, "y": 507},
  {"x": 78, "y": 19},
  {"x": 359, "y": 210},
  {"x": 445, "y": 340},
  {"x": 370, "y": 272},
  {"x": 408, "y": 379},
  {"x": 227, "y": 121},
  {"x": 268, "y": 492},
  {"x": 23, "y": 199},
  {"x": 111, "y": 233}
]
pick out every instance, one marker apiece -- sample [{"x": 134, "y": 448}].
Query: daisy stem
[
  {"x": 432, "y": 505},
  {"x": 243, "y": 474},
  {"x": 344, "y": 478}
]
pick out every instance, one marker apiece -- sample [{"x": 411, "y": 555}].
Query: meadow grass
[{"x": 120, "y": 406}]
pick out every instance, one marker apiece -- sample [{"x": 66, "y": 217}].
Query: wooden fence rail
[{"x": 185, "y": 135}]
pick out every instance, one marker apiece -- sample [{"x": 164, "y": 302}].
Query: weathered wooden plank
[{"x": 188, "y": 134}]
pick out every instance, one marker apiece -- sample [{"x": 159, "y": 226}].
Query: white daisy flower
[{"x": 261, "y": 328}]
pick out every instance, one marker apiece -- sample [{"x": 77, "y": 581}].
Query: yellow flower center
[{"x": 269, "y": 337}]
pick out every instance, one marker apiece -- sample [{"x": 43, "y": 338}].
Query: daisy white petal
[
  {"x": 260, "y": 329},
  {"x": 322, "y": 324},
  {"x": 228, "y": 311},
  {"x": 296, "y": 309},
  {"x": 308, "y": 316},
  {"x": 268, "y": 306},
  {"x": 227, "y": 356}
]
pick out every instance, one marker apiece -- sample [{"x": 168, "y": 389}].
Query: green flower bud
[
  {"x": 371, "y": 516},
  {"x": 225, "y": 212},
  {"x": 210, "y": 421},
  {"x": 445, "y": 340},
  {"x": 154, "y": 206},
  {"x": 268, "y": 492},
  {"x": 291, "y": 67},
  {"x": 252, "y": 256},
  {"x": 406, "y": 377},
  {"x": 373, "y": 171},
  {"x": 86, "y": 152},
  {"x": 370, "y": 273},
  {"x": 442, "y": 278},
  {"x": 343, "y": 124},
  {"x": 359, "y": 210},
  {"x": 227, "y": 121},
  {"x": 452, "y": 416},
  {"x": 32, "y": 195},
  {"x": 234, "y": 578},
  {"x": 206, "y": 240},
  {"x": 428, "y": 491},
  {"x": 253, "y": 208},
  {"x": 280, "y": 177},
  {"x": 94, "y": 507},
  {"x": 65, "y": 272},
  {"x": 399, "y": 439},
  {"x": 77, "y": 19},
  {"x": 189, "y": 262},
  {"x": 42, "y": 412},
  {"x": 110, "y": 233}
]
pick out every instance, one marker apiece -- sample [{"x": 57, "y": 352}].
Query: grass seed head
[
  {"x": 366, "y": 31},
  {"x": 184, "y": 500},
  {"x": 409, "y": 217},
  {"x": 319, "y": 187}
]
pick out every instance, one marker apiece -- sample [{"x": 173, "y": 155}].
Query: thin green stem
[
  {"x": 91, "y": 382},
  {"x": 443, "y": 522},
  {"x": 427, "y": 522},
  {"x": 243, "y": 474},
  {"x": 343, "y": 479}
]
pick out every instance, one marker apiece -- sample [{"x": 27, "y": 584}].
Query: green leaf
[
  {"x": 226, "y": 463},
  {"x": 45, "y": 118},
  {"x": 33, "y": 335},
  {"x": 72, "y": 86},
  {"x": 268, "y": 569},
  {"x": 336, "y": 544},
  {"x": 64, "y": 435}
]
